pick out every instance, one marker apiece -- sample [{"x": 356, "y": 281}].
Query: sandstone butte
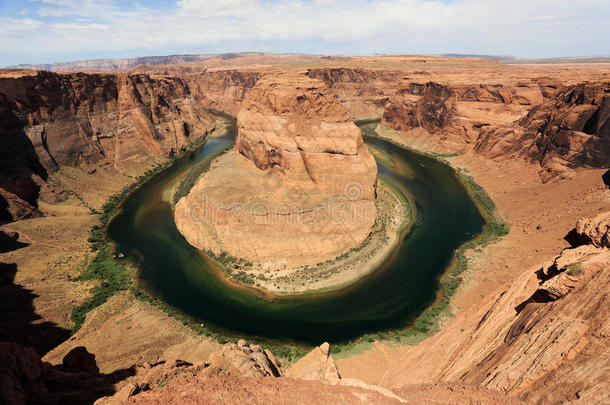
[
  {"x": 298, "y": 189},
  {"x": 531, "y": 317}
]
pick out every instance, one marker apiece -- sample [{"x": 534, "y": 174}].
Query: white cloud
[
  {"x": 77, "y": 27},
  {"x": 521, "y": 27},
  {"x": 10, "y": 26}
]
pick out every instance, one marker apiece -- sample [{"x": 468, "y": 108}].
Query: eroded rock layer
[
  {"x": 50, "y": 120},
  {"x": 542, "y": 339},
  {"x": 299, "y": 187}
]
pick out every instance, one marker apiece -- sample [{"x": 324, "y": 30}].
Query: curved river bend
[{"x": 388, "y": 298}]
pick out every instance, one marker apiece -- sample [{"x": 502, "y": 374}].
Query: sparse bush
[{"x": 575, "y": 269}]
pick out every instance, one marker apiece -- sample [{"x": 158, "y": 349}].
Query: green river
[{"x": 389, "y": 298}]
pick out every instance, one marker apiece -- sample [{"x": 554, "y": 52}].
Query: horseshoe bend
[
  {"x": 259, "y": 227},
  {"x": 299, "y": 187}
]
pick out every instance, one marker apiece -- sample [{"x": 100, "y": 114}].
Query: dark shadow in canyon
[
  {"x": 29, "y": 380},
  {"x": 5, "y": 214},
  {"x": 606, "y": 178},
  {"x": 19, "y": 322},
  {"x": 20, "y": 165},
  {"x": 76, "y": 381},
  {"x": 9, "y": 241},
  {"x": 537, "y": 297}
]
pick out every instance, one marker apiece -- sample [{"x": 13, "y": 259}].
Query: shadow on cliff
[
  {"x": 5, "y": 214},
  {"x": 21, "y": 173},
  {"x": 19, "y": 322},
  {"x": 25, "y": 338},
  {"x": 29, "y": 380}
]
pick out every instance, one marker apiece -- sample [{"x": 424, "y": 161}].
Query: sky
[{"x": 45, "y": 31}]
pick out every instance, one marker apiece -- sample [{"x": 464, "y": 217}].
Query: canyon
[{"x": 529, "y": 320}]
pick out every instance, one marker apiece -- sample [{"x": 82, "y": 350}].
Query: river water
[{"x": 388, "y": 298}]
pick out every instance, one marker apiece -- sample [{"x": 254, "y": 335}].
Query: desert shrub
[{"x": 575, "y": 269}]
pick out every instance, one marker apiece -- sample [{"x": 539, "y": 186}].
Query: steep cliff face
[
  {"x": 554, "y": 349},
  {"x": 572, "y": 129},
  {"x": 303, "y": 132},
  {"x": 559, "y": 128},
  {"x": 300, "y": 170},
  {"x": 458, "y": 110},
  {"x": 79, "y": 120},
  {"x": 574, "y": 126},
  {"x": 434, "y": 110},
  {"x": 222, "y": 89},
  {"x": 363, "y": 92}
]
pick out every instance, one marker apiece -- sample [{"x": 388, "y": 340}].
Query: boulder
[
  {"x": 79, "y": 358},
  {"x": 245, "y": 360},
  {"x": 595, "y": 231},
  {"x": 316, "y": 365}
]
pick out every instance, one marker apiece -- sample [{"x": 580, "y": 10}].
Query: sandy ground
[{"x": 126, "y": 331}]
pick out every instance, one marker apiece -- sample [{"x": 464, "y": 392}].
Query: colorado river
[{"x": 388, "y": 298}]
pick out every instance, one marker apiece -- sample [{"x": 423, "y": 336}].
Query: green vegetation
[
  {"x": 496, "y": 228},
  {"x": 288, "y": 352},
  {"x": 291, "y": 353},
  {"x": 575, "y": 269},
  {"x": 112, "y": 276}
]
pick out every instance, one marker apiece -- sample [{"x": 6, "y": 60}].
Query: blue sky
[{"x": 43, "y": 31}]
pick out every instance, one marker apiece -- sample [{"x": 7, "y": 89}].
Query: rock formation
[
  {"x": 459, "y": 115},
  {"x": 434, "y": 110},
  {"x": 300, "y": 170},
  {"x": 221, "y": 89},
  {"x": 245, "y": 360},
  {"x": 574, "y": 126},
  {"x": 594, "y": 231},
  {"x": 25, "y": 379},
  {"x": 543, "y": 338},
  {"x": 49, "y": 120},
  {"x": 178, "y": 381},
  {"x": 317, "y": 365},
  {"x": 560, "y": 128},
  {"x": 571, "y": 129}
]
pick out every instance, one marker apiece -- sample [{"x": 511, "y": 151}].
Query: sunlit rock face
[{"x": 299, "y": 186}]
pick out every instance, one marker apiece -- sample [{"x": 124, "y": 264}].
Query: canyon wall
[
  {"x": 543, "y": 338},
  {"x": 559, "y": 126},
  {"x": 221, "y": 89},
  {"x": 49, "y": 121},
  {"x": 571, "y": 129}
]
